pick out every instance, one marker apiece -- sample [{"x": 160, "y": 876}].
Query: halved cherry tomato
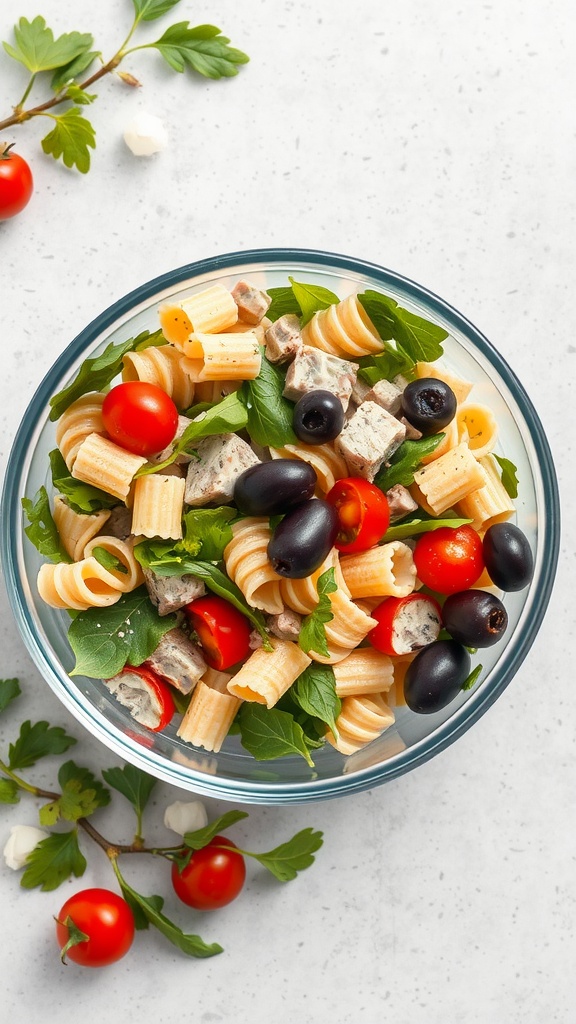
[
  {"x": 139, "y": 417},
  {"x": 222, "y": 630},
  {"x": 106, "y": 921},
  {"x": 448, "y": 560},
  {"x": 157, "y": 710},
  {"x": 363, "y": 512},
  {"x": 213, "y": 876},
  {"x": 405, "y": 624}
]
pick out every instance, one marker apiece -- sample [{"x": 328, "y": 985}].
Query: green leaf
[
  {"x": 9, "y": 690},
  {"x": 312, "y": 632},
  {"x": 283, "y": 301},
  {"x": 77, "y": 95},
  {"x": 311, "y": 298},
  {"x": 421, "y": 523},
  {"x": 95, "y": 374},
  {"x": 203, "y": 49},
  {"x": 420, "y": 339},
  {"x": 150, "y": 907},
  {"x": 384, "y": 366},
  {"x": 104, "y": 640},
  {"x": 269, "y": 413},
  {"x": 226, "y": 417},
  {"x": 83, "y": 498},
  {"x": 208, "y": 530},
  {"x": 68, "y": 72},
  {"x": 132, "y": 783},
  {"x": 107, "y": 560},
  {"x": 37, "y": 49},
  {"x": 71, "y": 138},
  {"x": 202, "y": 836},
  {"x": 286, "y": 860},
  {"x": 472, "y": 678},
  {"x": 9, "y": 792},
  {"x": 54, "y": 860},
  {"x": 315, "y": 692},
  {"x": 268, "y": 733},
  {"x": 37, "y": 741},
  {"x": 41, "y": 529},
  {"x": 81, "y": 795},
  {"x": 149, "y": 10},
  {"x": 509, "y": 475},
  {"x": 405, "y": 461}
]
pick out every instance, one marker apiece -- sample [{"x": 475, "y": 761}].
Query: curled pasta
[
  {"x": 362, "y": 719},
  {"x": 248, "y": 565},
  {"x": 384, "y": 571},
  {"x": 489, "y": 504},
  {"x": 87, "y": 583},
  {"x": 80, "y": 419},
  {"x": 162, "y": 366},
  {"x": 75, "y": 529},
  {"x": 158, "y": 504},
  {"x": 343, "y": 329},
  {"x": 365, "y": 670},
  {"x": 266, "y": 675},
  {"x": 210, "y": 712},
  {"x": 327, "y": 463}
]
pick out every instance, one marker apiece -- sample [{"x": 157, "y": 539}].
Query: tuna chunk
[
  {"x": 386, "y": 394},
  {"x": 251, "y": 301},
  {"x": 170, "y": 593},
  {"x": 368, "y": 439},
  {"x": 119, "y": 523},
  {"x": 313, "y": 369},
  {"x": 284, "y": 339},
  {"x": 286, "y": 625},
  {"x": 183, "y": 423},
  {"x": 178, "y": 660},
  {"x": 400, "y": 502},
  {"x": 221, "y": 460}
]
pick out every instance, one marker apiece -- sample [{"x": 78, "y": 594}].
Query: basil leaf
[
  {"x": 312, "y": 632},
  {"x": 419, "y": 523},
  {"x": 202, "y": 48},
  {"x": 149, "y": 10},
  {"x": 132, "y": 783},
  {"x": 269, "y": 413},
  {"x": 311, "y": 298},
  {"x": 268, "y": 733},
  {"x": 202, "y": 836},
  {"x": 283, "y": 301},
  {"x": 384, "y": 366},
  {"x": 509, "y": 475},
  {"x": 95, "y": 374},
  {"x": 82, "y": 498},
  {"x": 41, "y": 529},
  {"x": 419, "y": 339},
  {"x": 108, "y": 561},
  {"x": 315, "y": 692},
  {"x": 405, "y": 461},
  {"x": 226, "y": 417},
  {"x": 286, "y": 860}
]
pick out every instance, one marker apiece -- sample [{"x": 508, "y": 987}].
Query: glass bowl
[{"x": 233, "y": 774}]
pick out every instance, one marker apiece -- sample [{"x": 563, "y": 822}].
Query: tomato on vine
[
  {"x": 94, "y": 928},
  {"x": 213, "y": 877},
  {"x": 16, "y": 182}
]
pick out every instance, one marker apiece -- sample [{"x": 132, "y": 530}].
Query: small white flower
[
  {"x": 183, "y": 817},
  {"x": 145, "y": 135},
  {"x": 23, "y": 839}
]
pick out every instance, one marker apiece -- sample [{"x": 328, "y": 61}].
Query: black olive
[
  {"x": 275, "y": 487},
  {"x": 318, "y": 417},
  {"x": 436, "y": 675},
  {"x": 507, "y": 556},
  {"x": 303, "y": 538},
  {"x": 428, "y": 404},
  {"x": 475, "y": 618}
]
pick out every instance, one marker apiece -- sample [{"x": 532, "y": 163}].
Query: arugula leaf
[
  {"x": 37, "y": 741},
  {"x": 315, "y": 692},
  {"x": 81, "y": 795},
  {"x": 54, "y": 860},
  {"x": 149, "y": 911},
  {"x": 268, "y": 733},
  {"x": 108, "y": 561},
  {"x": 286, "y": 860},
  {"x": 472, "y": 678},
  {"x": 405, "y": 461},
  {"x": 208, "y": 531},
  {"x": 9, "y": 792},
  {"x": 509, "y": 475},
  {"x": 149, "y": 10},
  {"x": 71, "y": 138},
  {"x": 312, "y": 633},
  {"x": 203, "y": 48},
  {"x": 311, "y": 298},
  {"x": 269, "y": 413},
  {"x": 421, "y": 523},
  {"x": 283, "y": 301},
  {"x": 9, "y": 690},
  {"x": 420, "y": 339},
  {"x": 104, "y": 640},
  {"x": 226, "y": 417},
  {"x": 132, "y": 783},
  {"x": 82, "y": 498},
  {"x": 41, "y": 529},
  {"x": 37, "y": 49},
  {"x": 201, "y": 837},
  {"x": 95, "y": 374}
]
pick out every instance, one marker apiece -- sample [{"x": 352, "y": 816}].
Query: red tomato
[
  {"x": 16, "y": 184},
  {"x": 139, "y": 417},
  {"x": 106, "y": 920},
  {"x": 405, "y": 624},
  {"x": 160, "y": 707},
  {"x": 448, "y": 560},
  {"x": 363, "y": 513},
  {"x": 212, "y": 878},
  {"x": 222, "y": 630}
]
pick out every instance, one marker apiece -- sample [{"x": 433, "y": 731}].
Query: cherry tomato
[
  {"x": 448, "y": 560},
  {"x": 148, "y": 697},
  {"x": 222, "y": 630},
  {"x": 16, "y": 183},
  {"x": 107, "y": 921},
  {"x": 139, "y": 417},
  {"x": 405, "y": 624},
  {"x": 363, "y": 512},
  {"x": 212, "y": 878}
]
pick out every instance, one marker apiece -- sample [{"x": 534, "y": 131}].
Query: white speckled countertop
[{"x": 437, "y": 140}]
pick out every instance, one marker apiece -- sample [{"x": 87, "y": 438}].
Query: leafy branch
[{"x": 62, "y": 66}]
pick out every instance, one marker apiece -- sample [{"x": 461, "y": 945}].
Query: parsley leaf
[
  {"x": 203, "y": 48},
  {"x": 226, "y": 417},
  {"x": 104, "y": 640},
  {"x": 54, "y": 860},
  {"x": 95, "y": 374},
  {"x": 37, "y": 49},
  {"x": 405, "y": 461},
  {"x": 269, "y": 413},
  {"x": 37, "y": 741},
  {"x": 419, "y": 339},
  {"x": 286, "y": 860},
  {"x": 270, "y": 733},
  {"x": 81, "y": 795},
  {"x": 71, "y": 138},
  {"x": 132, "y": 783},
  {"x": 149, "y": 10},
  {"x": 9, "y": 792},
  {"x": 9, "y": 690},
  {"x": 315, "y": 692},
  {"x": 509, "y": 475},
  {"x": 312, "y": 633},
  {"x": 41, "y": 529}
]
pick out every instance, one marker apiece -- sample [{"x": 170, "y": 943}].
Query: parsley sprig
[
  {"x": 59, "y": 857},
  {"x": 63, "y": 66}
]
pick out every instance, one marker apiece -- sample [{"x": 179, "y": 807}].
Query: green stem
[
  {"x": 34, "y": 790},
  {"x": 27, "y": 92}
]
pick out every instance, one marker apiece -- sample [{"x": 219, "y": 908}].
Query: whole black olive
[
  {"x": 272, "y": 488},
  {"x": 475, "y": 618},
  {"x": 428, "y": 404},
  {"x": 318, "y": 417},
  {"x": 436, "y": 675},
  {"x": 507, "y": 556},
  {"x": 303, "y": 538}
]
